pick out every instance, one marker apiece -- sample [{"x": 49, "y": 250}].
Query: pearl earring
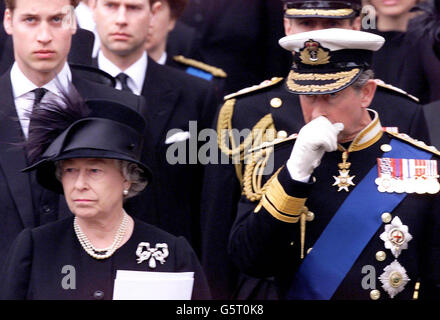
[{"x": 125, "y": 192}]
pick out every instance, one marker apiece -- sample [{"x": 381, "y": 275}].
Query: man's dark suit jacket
[
  {"x": 174, "y": 98},
  {"x": 19, "y": 206}
]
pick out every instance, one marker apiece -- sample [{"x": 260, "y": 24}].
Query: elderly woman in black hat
[{"x": 91, "y": 152}]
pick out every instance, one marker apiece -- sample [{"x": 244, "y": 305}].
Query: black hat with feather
[{"x": 69, "y": 127}]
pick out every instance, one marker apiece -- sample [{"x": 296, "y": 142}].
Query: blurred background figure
[
  {"x": 420, "y": 75},
  {"x": 178, "y": 53},
  {"x": 391, "y": 21},
  {"x": 239, "y": 37},
  {"x": 163, "y": 22},
  {"x": 426, "y": 27},
  {"x": 84, "y": 17}
]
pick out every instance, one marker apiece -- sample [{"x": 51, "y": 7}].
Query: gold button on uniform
[
  {"x": 381, "y": 256},
  {"x": 374, "y": 294},
  {"x": 308, "y": 251},
  {"x": 282, "y": 134},
  {"x": 310, "y": 216},
  {"x": 276, "y": 102},
  {"x": 386, "y": 217},
  {"x": 386, "y": 148}
]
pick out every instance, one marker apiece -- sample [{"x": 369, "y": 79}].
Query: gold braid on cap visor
[
  {"x": 319, "y": 12},
  {"x": 342, "y": 78}
]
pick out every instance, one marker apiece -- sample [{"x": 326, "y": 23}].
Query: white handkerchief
[
  {"x": 145, "y": 285},
  {"x": 177, "y": 137}
]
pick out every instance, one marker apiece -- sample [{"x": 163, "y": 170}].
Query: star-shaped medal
[{"x": 344, "y": 180}]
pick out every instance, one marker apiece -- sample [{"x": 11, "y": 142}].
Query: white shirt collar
[
  {"x": 21, "y": 85},
  {"x": 23, "y": 97},
  {"x": 136, "y": 72}
]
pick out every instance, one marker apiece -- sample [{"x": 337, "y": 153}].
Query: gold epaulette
[
  {"x": 417, "y": 143},
  {"x": 382, "y": 84},
  {"x": 264, "y": 84},
  {"x": 216, "y": 72}
]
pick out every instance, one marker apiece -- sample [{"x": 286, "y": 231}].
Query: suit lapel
[
  {"x": 12, "y": 157},
  {"x": 161, "y": 98}
]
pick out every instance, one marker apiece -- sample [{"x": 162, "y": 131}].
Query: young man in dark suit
[
  {"x": 42, "y": 39},
  {"x": 176, "y": 101}
]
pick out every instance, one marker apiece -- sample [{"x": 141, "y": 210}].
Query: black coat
[
  {"x": 419, "y": 74},
  {"x": 222, "y": 189},
  {"x": 432, "y": 115},
  {"x": 388, "y": 62},
  {"x": 263, "y": 246},
  {"x": 34, "y": 268},
  {"x": 25, "y": 204}
]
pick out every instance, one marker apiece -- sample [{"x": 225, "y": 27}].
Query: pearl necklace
[{"x": 106, "y": 252}]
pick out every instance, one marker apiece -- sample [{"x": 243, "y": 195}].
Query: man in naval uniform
[
  {"x": 270, "y": 106},
  {"x": 345, "y": 209}
]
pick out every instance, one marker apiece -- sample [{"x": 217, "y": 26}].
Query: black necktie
[
  {"x": 38, "y": 96},
  {"x": 122, "y": 78}
]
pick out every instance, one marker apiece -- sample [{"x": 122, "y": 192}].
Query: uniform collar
[{"x": 368, "y": 136}]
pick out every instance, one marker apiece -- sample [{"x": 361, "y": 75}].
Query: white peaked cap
[{"x": 334, "y": 39}]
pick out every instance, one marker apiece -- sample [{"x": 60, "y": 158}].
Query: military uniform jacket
[
  {"x": 268, "y": 106},
  {"x": 34, "y": 266},
  {"x": 261, "y": 245}
]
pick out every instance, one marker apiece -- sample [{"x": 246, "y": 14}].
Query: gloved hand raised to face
[{"x": 314, "y": 139}]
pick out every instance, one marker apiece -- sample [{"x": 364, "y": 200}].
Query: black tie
[
  {"x": 39, "y": 94},
  {"x": 122, "y": 78}
]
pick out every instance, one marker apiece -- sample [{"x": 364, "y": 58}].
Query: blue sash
[{"x": 348, "y": 232}]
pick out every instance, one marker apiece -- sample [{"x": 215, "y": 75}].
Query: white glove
[{"x": 314, "y": 139}]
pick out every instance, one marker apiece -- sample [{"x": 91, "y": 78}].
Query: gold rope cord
[
  {"x": 216, "y": 72},
  {"x": 264, "y": 130},
  {"x": 252, "y": 180},
  {"x": 321, "y": 12}
]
